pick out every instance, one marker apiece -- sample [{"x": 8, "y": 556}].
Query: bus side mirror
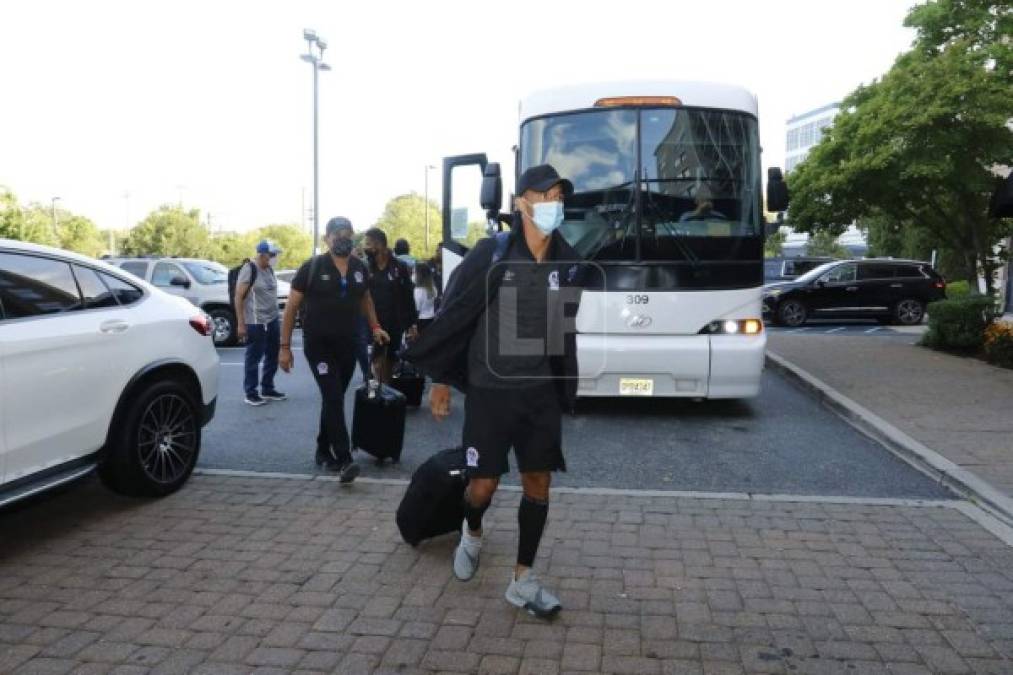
[
  {"x": 777, "y": 190},
  {"x": 1002, "y": 199},
  {"x": 492, "y": 189}
]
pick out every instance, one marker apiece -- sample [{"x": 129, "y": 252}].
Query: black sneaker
[
  {"x": 255, "y": 399},
  {"x": 273, "y": 395},
  {"x": 326, "y": 462},
  {"x": 348, "y": 472}
]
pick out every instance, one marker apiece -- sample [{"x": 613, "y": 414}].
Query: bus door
[{"x": 472, "y": 196}]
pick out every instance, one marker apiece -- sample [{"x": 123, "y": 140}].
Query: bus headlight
[{"x": 733, "y": 327}]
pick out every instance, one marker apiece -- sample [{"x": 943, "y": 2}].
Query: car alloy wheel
[
  {"x": 792, "y": 313},
  {"x": 910, "y": 312},
  {"x": 223, "y": 329},
  {"x": 167, "y": 438}
]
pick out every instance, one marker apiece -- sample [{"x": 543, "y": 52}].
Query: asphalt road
[{"x": 781, "y": 442}]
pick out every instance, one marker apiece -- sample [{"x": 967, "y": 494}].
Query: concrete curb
[{"x": 928, "y": 461}]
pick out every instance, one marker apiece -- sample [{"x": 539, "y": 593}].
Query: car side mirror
[
  {"x": 180, "y": 280},
  {"x": 777, "y": 190},
  {"x": 491, "y": 197},
  {"x": 771, "y": 228}
]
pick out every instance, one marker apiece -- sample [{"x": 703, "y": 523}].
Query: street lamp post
[
  {"x": 56, "y": 232},
  {"x": 428, "y": 167},
  {"x": 316, "y": 59}
]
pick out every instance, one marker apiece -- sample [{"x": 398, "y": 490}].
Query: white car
[
  {"x": 98, "y": 369},
  {"x": 204, "y": 283}
]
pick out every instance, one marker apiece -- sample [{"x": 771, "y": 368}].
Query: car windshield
[
  {"x": 815, "y": 273},
  {"x": 694, "y": 197},
  {"x": 208, "y": 272}
]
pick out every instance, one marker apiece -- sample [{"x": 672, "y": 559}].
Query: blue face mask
[{"x": 548, "y": 216}]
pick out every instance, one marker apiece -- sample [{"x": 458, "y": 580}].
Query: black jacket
[{"x": 442, "y": 349}]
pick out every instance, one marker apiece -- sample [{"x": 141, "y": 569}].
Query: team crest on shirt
[
  {"x": 571, "y": 274},
  {"x": 358, "y": 277},
  {"x": 471, "y": 457},
  {"x": 554, "y": 280},
  {"x": 322, "y": 367}
]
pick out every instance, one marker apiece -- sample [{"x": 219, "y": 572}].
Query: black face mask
[{"x": 342, "y": 247}]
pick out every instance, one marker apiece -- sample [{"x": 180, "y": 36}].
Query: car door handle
[
  {"x": 851, "y": 288},
  {"x": 896, "y": 285},
  {"x": 113, "y": 326}
]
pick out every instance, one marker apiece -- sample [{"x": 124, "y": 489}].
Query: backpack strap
[
  {"x": 502, "y": 245},
  {"x": 314, "y": 266},
  {"x": 253, "y": 278}
]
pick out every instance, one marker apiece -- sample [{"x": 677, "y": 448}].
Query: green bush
[
  {"x": 999, "y": 344},
  {"x": 957, "y": 289},
  {"x": 960, "y": 324}
]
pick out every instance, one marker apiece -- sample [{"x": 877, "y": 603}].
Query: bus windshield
[{"x": 695, "y": 196}]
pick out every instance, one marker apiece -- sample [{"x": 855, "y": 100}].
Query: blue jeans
[{"x": 262, "y": 342}]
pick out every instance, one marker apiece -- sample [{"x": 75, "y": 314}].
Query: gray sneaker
[
  {"x": 466, "y": 555},
  {"x": 528, "y": 593}
]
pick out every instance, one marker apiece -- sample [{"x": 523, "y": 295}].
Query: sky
[{"x": 117, "y": 107}]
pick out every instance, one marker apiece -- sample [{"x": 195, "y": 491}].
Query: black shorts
[{"x": 528, "y": 419}]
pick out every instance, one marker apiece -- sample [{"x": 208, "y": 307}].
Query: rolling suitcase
[
  {"x": 408, "y": 380},
  {"x": 378, "y": 421},
  {"x": 433, "y": 504}
]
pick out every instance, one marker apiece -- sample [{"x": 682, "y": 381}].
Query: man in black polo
[
  {"x": 333, "y": 287},
  {"x": 498, "y": 334},
  {"x": 392, "y": 290}
]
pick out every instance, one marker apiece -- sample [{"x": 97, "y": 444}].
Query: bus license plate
[{"x": 632, "y": 386}]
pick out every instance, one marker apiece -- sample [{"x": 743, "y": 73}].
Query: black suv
[{"x": 892, "y": 291}]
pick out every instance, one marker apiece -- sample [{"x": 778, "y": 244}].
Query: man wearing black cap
[
  {"x": 503, "y": 298},
  {"x": 333, "y": 287}
]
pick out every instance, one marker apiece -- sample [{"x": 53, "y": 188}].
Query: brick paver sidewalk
[{"x": 239, "y": 575}]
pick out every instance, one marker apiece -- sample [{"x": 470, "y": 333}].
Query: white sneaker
[
  {"x": 528, "y": 593},
  {"x": 467, "y": 554}
]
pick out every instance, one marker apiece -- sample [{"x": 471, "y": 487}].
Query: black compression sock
[
  {"x": 531, "y": 517},
  {"x": 474, "y": 514}
]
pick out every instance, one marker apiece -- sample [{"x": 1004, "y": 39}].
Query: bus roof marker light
[{"x": 653, "y": 101}]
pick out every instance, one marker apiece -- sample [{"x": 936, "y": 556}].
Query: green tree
[
  {"x": 230, "y": 248},
  {"x": 824, "y": 243},
  {"x": 404, "y": 217},
  {"x": 12, "y": 218},
  {"x": 79, "y": 234},
  {"x": 917, "y": 147},
  {"x": 34, "y": 223},
  {"x": 170, "y": 231},
  {"x": 773, "y": 246}
]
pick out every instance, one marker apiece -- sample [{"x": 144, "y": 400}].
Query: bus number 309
[{"x": 637, "y": 299}]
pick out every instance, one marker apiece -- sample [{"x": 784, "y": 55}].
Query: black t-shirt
[
  {"x": 332, "y": 303},
  {"x": 510, "y": 343},
  {"x": 386, "y": 289}
]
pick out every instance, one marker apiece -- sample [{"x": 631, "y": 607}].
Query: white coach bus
[{"x": 667, "y": 202}]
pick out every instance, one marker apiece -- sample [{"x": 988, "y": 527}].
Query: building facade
[{"x": 805, "y": 131}]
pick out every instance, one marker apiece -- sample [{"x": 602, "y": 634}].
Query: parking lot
[{"x": 780, "y": 443}]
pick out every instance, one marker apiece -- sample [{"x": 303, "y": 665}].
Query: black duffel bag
[{"x": 433, "y": 504}]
